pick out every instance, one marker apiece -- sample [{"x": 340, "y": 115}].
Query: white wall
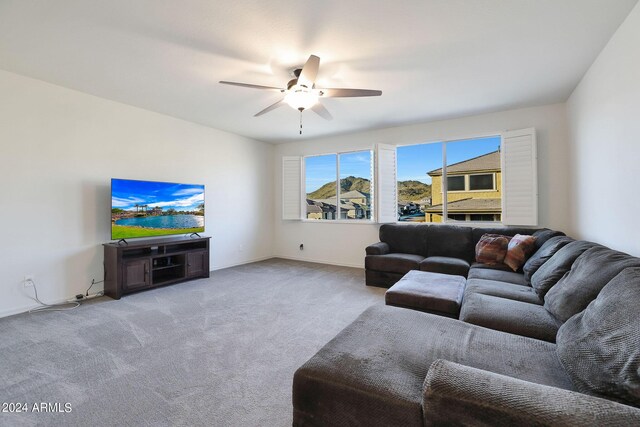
[
  {"x": 604, "y": 117},
  {"x": 59, "y": 149},
  {"x": 344, "y": 243}
]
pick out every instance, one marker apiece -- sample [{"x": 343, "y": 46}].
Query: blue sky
[
  {"x": 125, "y": 194},
  {"x": 414, "y": 161},
  {"x": 322, "y": 169}
]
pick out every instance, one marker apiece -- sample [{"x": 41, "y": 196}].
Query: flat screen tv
[{"x": 150, "y": 208}]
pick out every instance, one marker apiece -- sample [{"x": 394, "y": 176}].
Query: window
[
  {"x": 483, "y": 217},
  {"x": 320, "y": 187},
  {"x": 455, "y": 183},
  {"x": 481, "y": 182},
  {"x": 472, "y": 176},
  {"x": 457, "y": 217},
  {"x": 499, "y": 182},
  {"x": 414, "y": 183},
  {"x": 351, "y": 199},
  {"x": 355, "y": 185}
]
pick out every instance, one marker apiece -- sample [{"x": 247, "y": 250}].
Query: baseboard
[
  {"x": 320, "y": 261},
  {"x": 264, "y": 258},
  {"x": 26, "y": 308}
]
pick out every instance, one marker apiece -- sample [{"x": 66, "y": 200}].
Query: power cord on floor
[
  {"x": 93, "y": 282},
  {"x": 50, "y": 307}
]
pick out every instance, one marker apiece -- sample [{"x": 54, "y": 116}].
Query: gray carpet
[{"x": 218, "y": 351}]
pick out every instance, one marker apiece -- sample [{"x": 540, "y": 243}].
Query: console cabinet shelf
[{"x": 145, "y": 265}]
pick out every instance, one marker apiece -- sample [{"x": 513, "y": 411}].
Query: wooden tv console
[{"x": 146, "y": 264}]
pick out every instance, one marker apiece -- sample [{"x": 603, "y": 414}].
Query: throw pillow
[
  {"x": 600, "y": 346},
  {"x": 491, "y": 249},
  {"x": 520, "y": 248}
]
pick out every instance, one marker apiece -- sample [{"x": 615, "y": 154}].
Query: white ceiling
[{"x": 432, "y": 59}]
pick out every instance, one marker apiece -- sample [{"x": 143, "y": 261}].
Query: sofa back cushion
[
  {"x": 552, "y": 270},
  {"x": 583, "y": 282},
  {"x": 405, "y": 238},
  {"x": 542, "y": 255},
  {"x": 450, "y": 241},
  {"x": 545, "y": 234},
  {"x": 600, "y": 347}
]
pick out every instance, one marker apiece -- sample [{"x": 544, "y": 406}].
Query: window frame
[{"x": 338, "y": 212}]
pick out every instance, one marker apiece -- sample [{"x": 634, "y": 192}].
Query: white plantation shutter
[
  {"x": 291, "y": 187},
  {"x": 386, "y": 204},
  {"x": 519, "y": 177}
]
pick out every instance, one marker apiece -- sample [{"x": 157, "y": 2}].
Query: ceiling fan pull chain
[{"x": 300, "y": 122}]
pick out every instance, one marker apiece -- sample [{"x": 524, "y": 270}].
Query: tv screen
[{"x": 149, "y": 208}]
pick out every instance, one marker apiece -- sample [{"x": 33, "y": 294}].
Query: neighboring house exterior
[
  {"x": 321, "y": 209},
  {"x": 474, "y": 190},
  {"x": 353, "y": 205}
]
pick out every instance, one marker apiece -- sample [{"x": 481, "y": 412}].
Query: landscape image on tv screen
[{"x": 148, "y": 208}]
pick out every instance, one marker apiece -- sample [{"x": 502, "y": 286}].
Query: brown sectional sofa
[{"x": 557, "y": 343}]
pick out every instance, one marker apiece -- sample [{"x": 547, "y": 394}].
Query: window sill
[
  {"x": 488, "y": 190},
  {"x": 340, "y": 221}
]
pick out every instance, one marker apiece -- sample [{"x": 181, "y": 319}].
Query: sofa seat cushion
[
  {"x": 394, "y": 263},
  {"x": 501, "y": 267},
  {"x": 429, "y": 292},
  {"x": 372, "y": 373},
  {"x": 588, "y": 275},
  {"x": 498, "y": 275},
  {"x": 514, "y": 317},
  {"x": 503, "y": 290},
  {"x": 543, "y": 254},
  {"x": 600, "y": 347},
  {"x": 553, "y": 270},
  {"x": 445, "y": 265}
]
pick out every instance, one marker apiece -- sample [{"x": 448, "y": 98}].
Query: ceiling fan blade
[
  {"x": 320, "y": 110},
  {"x": 251, "y": 86},
  {"x": 342, "y": 93},
  {"x": 270, "y": 108},
  {"x": 309, "y": 72}
]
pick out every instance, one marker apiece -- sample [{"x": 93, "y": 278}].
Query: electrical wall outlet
[{"x": 28, "y": 280}]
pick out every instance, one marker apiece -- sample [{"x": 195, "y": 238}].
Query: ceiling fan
[{"x": 301, "y": 92}]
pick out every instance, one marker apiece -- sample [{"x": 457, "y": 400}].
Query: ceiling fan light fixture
[
  {"x": 301, "y": 97},
  {"x": 301, "y": 93}
]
